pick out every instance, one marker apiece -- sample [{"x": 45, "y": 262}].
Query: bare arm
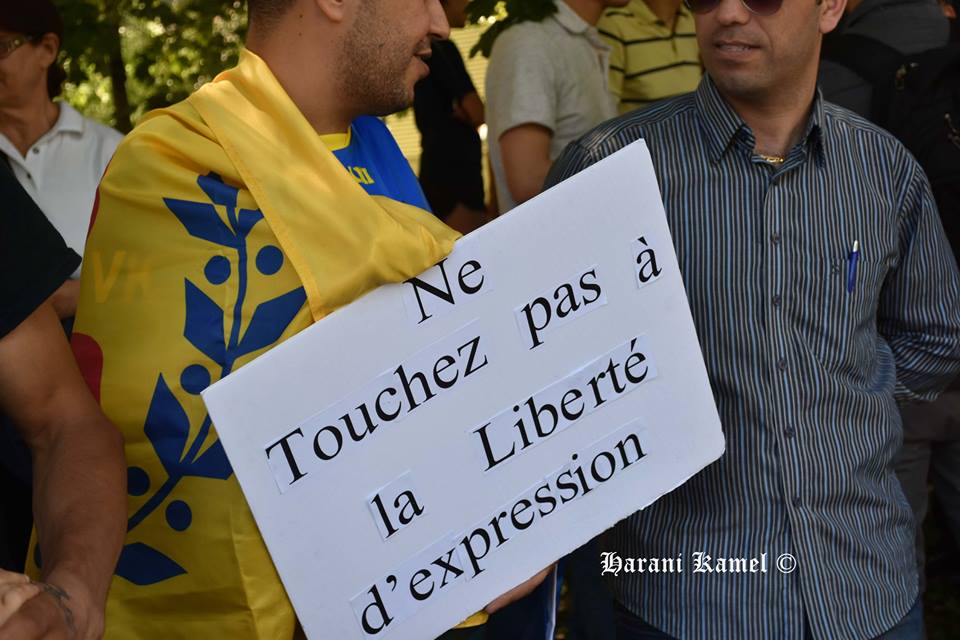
[
  {"x": 79, "y": 499},
  {"x": 470, "y": 110},
  {"x": 464, "y": 219},
  {"x": 526, "y": 159},
  {"x": 64, "y": 299}
]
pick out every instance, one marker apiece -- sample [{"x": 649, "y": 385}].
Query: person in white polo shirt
[
  {"x": 547, "y": 85},
  {"x": 57, "y": 155}
]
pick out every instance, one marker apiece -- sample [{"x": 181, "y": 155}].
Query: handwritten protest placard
[{"x": 437, "y": 442}]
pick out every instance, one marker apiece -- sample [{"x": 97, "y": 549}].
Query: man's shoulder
[
  {"x": 102, "y": 133},
  {"x": 668, "y": 116},
  {"x": 849, "y": 137},
  {"x": 849, "y": 129},
  {"x": 88, "y": 132},
  {"x": 174, "y": 135},
  {"x": 159, "y": 125},
  {"x": 614, "y": 134},
  {"x": 534, "y": 28},
  {"x": 528, "y": 38},
  {"x": 526, "y": 56}
]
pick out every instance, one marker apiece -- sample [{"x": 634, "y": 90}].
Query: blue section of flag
[{"x": 167, "y": 425}]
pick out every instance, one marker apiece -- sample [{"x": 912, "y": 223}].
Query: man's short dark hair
[{"x": 266, "y": 13}]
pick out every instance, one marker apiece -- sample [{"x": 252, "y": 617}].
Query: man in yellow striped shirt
[{"x": 655, "y": 54}]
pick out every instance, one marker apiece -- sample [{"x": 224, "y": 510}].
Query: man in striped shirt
[
  {"x": 653, "y": 52},
  {"x": 824, "y": 292}
]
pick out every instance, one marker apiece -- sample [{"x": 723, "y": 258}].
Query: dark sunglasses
[{"x": 759, "y": 7}]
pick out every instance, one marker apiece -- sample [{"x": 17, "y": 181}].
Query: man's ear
[
  {"x": 830, "y": 13},
  {"x": 334, "y": 10},
  {"x": 49, "y": 44}
]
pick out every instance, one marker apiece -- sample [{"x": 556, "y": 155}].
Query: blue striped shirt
[{"x": 806, "y": 373}]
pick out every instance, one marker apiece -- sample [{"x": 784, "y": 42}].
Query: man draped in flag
[{"x": 223, "y": 226}]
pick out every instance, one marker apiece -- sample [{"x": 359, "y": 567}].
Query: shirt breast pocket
[{"x": 839, "y": 314}]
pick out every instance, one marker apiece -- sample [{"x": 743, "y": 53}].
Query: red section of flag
[
  {"x": 96, "y": 208},
  {"x": 89, "y": 356}
]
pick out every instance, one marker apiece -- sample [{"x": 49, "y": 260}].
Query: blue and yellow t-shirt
[{"x": 371, "y": 155}]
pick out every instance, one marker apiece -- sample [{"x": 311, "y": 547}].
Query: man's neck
[
  {"x": 24, "y": 124},
  {"x": 588, "y": 10},
  {"x": 665, "y": 10},
  {"x": 299, "y": 76},
  {"x": 778, "y": 123}
]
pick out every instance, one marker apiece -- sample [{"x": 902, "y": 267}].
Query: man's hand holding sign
[{"x": 403, "y": 456}]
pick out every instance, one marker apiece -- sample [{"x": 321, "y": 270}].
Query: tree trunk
[{"x": 118, "y": 79}]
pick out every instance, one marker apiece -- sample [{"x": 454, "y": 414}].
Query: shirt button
[
  {"x": 796, "y": 502},
  {"x": 834, "y": 269},
  {"x": 776, "y": 300},
  {"x": 775, "y": 238},
  {"x": 36, "y": 150},
  {"x": 789, "y": 432},
  {"x": 782, "y": 364}
]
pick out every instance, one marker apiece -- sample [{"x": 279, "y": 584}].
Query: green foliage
[
  {"x": 501, "y": 14},
  {"x": 125, "y": 57}
]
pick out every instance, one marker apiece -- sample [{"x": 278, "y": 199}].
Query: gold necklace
[{"x": 770, "y": 158}]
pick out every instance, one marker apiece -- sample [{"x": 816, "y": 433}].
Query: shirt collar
[
  {"x": 70, "y": 121},
  {"x": 642, "y": 10},
  {"x": 722, "y": 126},
  {"x": 813, "y": 135},
  {"x": 569, "y": 19}
]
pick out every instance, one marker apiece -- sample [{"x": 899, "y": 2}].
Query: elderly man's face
[
  {"x": 23, "y": 68},
  {"x": 751, "y": 56},
  {"x": 384, "y": 52}
]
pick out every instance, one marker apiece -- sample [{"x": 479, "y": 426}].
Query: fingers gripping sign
[{"x": 15, "y": 590}]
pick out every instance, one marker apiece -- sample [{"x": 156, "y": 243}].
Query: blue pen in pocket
[{"x": 852, "y": 261}]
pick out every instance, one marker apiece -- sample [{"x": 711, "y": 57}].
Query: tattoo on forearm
[{"x": 62, "y": 598}]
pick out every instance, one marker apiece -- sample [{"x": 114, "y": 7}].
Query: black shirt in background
[
  {"x": 451, "y": 169},
  {"x": 34, "y": 259}
]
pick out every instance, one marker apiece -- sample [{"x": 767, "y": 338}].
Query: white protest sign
[{"x": 425, "y": 449}]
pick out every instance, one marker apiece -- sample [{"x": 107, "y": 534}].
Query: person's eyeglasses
[
  {"x": 9, "y": 45},
  {"x": 759, "y": 7}
]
